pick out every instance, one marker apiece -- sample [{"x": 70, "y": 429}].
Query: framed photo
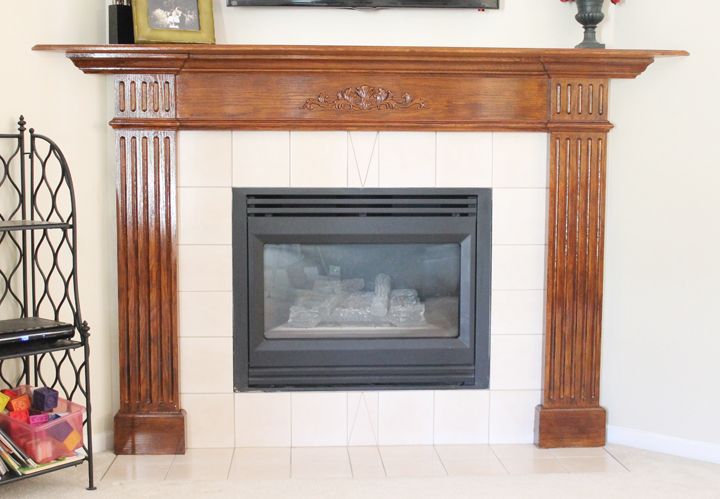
[{"x": 173, "y": 21}]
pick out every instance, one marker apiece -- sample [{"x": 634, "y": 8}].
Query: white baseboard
[{"x": 656, "y": 442}]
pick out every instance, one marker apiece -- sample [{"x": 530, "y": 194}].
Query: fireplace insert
[{"x": 361, "y": 288}]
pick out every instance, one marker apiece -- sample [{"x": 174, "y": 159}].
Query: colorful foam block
[
  {"x": 20, "y": 403},
  {"x": 41, "y": 418},
  {"x": 44, "y": 399},
  {"x": 72, "y": 440},
  {"x": 4, "y": 399},
  {"x": 10, "y": 393},
  {"x": 60, "y": 431},
  {"x": 22, "y": 415}
]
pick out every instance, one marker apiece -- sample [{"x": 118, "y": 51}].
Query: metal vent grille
[{"x": 359, "y": 205}]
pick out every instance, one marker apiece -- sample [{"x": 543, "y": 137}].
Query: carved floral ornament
[{"x": 364, "y": 98}]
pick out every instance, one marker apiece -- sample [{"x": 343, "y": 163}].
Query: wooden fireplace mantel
[{"x": 160, "y": 89}]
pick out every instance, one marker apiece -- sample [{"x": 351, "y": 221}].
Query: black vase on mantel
[
  {"x": 120, "y": 22},
  {"x": 590, "y": 14}
]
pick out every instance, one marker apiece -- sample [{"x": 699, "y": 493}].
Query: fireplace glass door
[{"x": 361, "y": 290}]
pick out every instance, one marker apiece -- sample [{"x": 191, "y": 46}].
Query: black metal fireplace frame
[{"x": 264, "y": 215}]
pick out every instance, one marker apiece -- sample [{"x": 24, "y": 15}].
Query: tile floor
[
  {"x": 394, "y": 472},
  {"x": 361, "y": 462}
]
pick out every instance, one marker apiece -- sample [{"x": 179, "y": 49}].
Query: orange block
[
  {"x": 72, "y": 440},
  {"x": 21, "y": 403},
  {"x": 22, "y": 415}
]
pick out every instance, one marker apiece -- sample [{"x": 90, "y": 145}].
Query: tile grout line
[
  {"x": 615, "y": 458},
  {"x": 172, "y": 462},
  {"x": 107, "y": 470},
  {"x": 232, "y": 457},
  {"x": 442, "y": 463},
  {"x": 492, "y": 449}
]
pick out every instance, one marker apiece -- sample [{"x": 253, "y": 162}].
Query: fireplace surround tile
[
  {"x": 318, "y": 159},
  {"x": 512, "y": 415},
  {"x": 516, "y": 362},
  {"x": 406, "y": 417},
  {"x": 206, "y": 365},
  {"x": 407, "y": 159},
  {"x": 518, "y": 267},
  {"x": 263, "y": 419},
  {"x": 210, "y": 422},
  {"x": 461, "y": 416},
  {"x": 205, "y": 313},
  {"x": 204, "y": 268},
  {"x": 362, "y": 414},
  {"x": 261, "y": 159},
  {"x": 519, "y": 216},
  {"x": 319, "y": 419},
  {"x": 520, "y": 159},
  {"x": 517, "y": 311},
  {"x": 203, "y": 215},
  {"x": 363, "y": 159},
  {"x": 204, "y": 159},
  {"x": 464, "y": 159}
]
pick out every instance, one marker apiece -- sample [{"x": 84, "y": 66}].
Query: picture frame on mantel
[{"x": 173, "y": 21}]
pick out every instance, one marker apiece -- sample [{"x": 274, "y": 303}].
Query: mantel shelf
[{"x": 173, "y": 59}]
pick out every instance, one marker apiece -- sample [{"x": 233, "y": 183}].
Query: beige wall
[{"x": 661, "y": 337}]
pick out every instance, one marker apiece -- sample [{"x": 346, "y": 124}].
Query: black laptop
[{"x": 33, "y": 329}]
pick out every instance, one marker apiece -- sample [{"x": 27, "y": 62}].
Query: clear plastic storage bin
[{"x": 46, "y": 442}]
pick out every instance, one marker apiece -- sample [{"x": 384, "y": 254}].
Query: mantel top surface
[{"x": 168, "y": 58}]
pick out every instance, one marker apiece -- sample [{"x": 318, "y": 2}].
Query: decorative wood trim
[
  {"x": 561, "y": 91},
  {"x": 147, "y": 293},
  {"x": 145, "y": 96},
  {"x": 364, "y": 98}
]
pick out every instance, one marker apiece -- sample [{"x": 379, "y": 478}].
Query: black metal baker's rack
[{"x": 38, "y": 276}]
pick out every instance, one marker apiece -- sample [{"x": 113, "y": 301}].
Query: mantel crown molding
[{"x": 174, "y": 59}]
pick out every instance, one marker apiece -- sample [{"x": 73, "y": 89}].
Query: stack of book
[{"x": 13, "y": 460}]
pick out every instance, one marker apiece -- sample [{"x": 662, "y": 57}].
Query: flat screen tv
[{"x": 370, "y": 4}]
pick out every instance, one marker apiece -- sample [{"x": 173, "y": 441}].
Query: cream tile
[
  {"x": 521, "y": 451},
  {"x": 260, "y": 464},
  {"x": 516, "y": 362},
  {"x": 205, "y": 313},
  {"x": 261, "y": 159},
  {"x": 407, "y": 159},
  {"x": 461, "y": 416},
  {"x": 464, "y": 452},
  {"x": 209, "y": 420},
  {"x": 201, "y": 464},
  {"x": 464, "y": 159},
  {"x": 596, "y": 464},
  {"x": 138, "y": 468},
  {"x": 319, "y": 419},
  {"x": 204, "y": 215},
  {"x": 411, "y": 461},
  {"x": 362, "y": 418},
  {"x": 318, "y": 159},
  {"x": 519, "y": 216},
  {"x": 579, "y": 452},
  {"x": 512, "y": 416},
  {"x": 205, "y": 268},
  {"x": 363, "y": 154},
  {"x": 366, "y": 462},
  {"x": 263, "y": 419},
  {"x": 518, "y": 311},
  {"x": 321, "y": 462},
  {"x": 520, "y": 159},
  {"x": 406, "y": 418},
  {"x": 532, "y": 466},
  {"x": 206, "y": 365},
  {"x": 518, "y": 267},
  {"x": 204, "y": 159},
  {"x": 490, "y": 466}
]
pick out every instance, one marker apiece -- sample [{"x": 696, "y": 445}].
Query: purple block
[
  {"x": 44, "y": 399},
  {"x": 60, "y": 431}
]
